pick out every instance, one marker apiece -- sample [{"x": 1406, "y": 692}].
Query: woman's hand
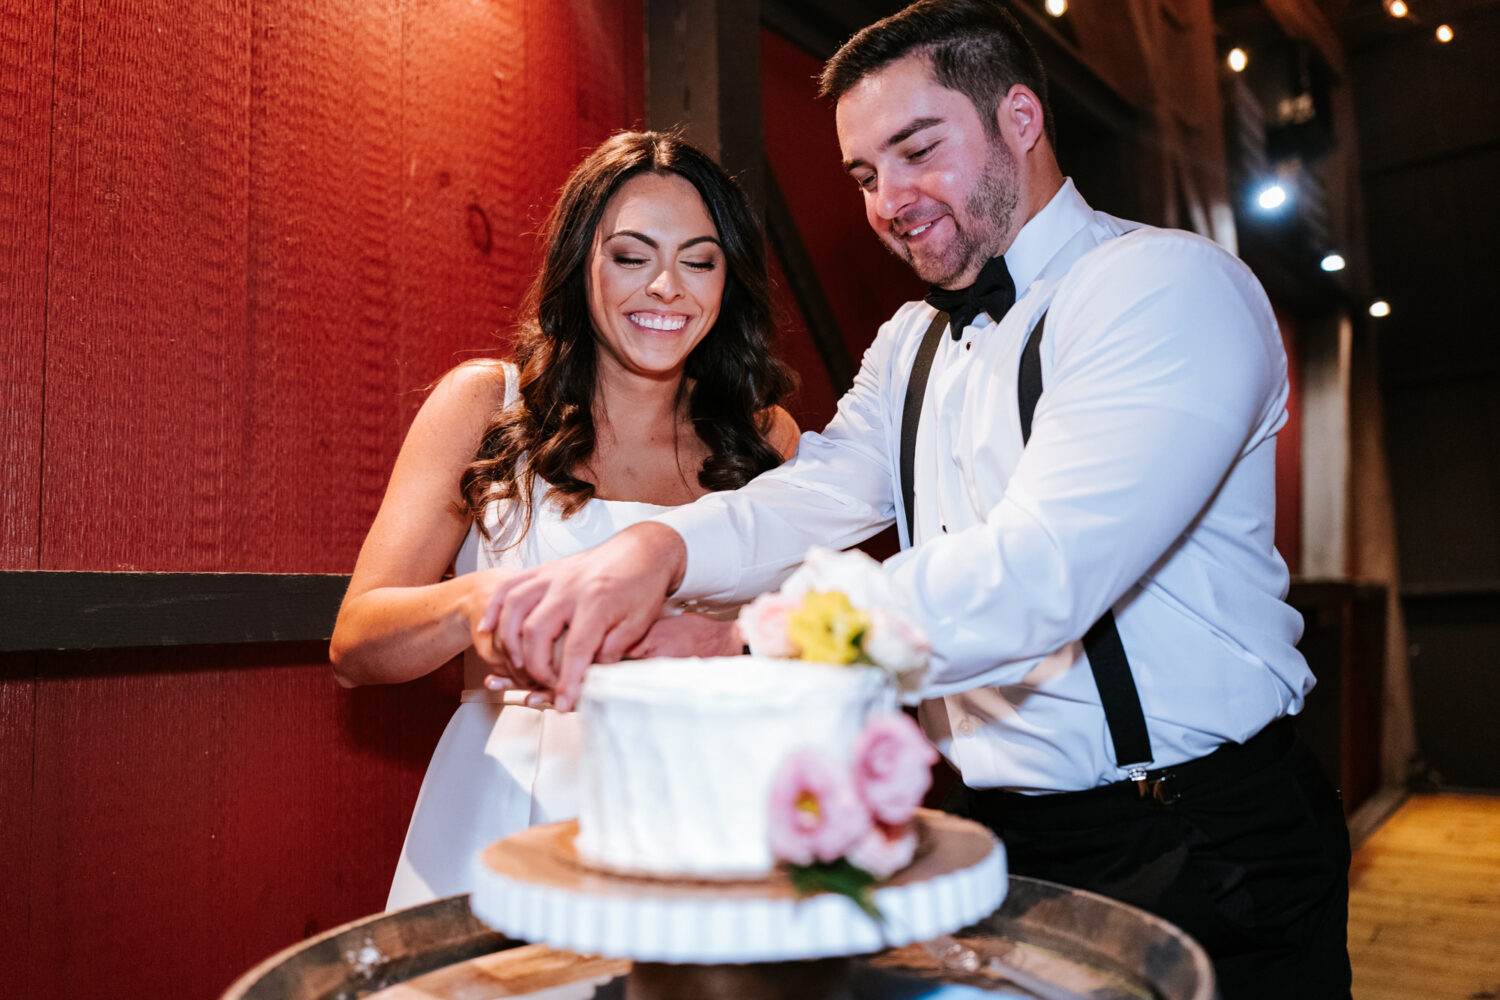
[
  {"x": 688, "y": 634},
  {"x": 481, "y": 609}
]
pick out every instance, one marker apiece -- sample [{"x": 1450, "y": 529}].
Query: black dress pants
[{"x": 1245, "y": 849}]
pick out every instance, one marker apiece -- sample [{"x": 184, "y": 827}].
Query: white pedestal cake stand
[{"x": 532, "y": 886}]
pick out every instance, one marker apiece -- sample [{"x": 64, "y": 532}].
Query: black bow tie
[{"x": 992, "y": 292}]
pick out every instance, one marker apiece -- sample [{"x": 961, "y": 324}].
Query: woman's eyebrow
[{"x": 657, "y": 246}]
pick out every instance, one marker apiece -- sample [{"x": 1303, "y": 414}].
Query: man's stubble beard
[{"x": 990, "y": 208}]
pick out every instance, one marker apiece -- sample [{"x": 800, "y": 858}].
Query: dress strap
[{"x": 512, "y": 381}]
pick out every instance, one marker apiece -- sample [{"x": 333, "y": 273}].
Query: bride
[{"x": 641, "y": 379}]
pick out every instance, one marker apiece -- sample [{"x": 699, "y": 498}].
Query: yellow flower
[{"x": 827, "y": 628}]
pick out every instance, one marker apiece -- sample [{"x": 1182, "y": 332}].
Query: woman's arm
[{"x": 400, "y": 619}]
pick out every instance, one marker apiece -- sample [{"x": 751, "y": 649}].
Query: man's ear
[{"x": 1020, "y": 117}]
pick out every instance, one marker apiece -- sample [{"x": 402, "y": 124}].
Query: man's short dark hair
[{"x": 975, "y": 47}]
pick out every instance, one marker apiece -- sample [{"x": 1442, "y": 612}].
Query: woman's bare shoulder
[
  {"x": 781, "y": 431},
  {"x": 470, "y": 386}
]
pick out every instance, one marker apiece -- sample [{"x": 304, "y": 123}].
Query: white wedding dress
[{"x": 499, "y": 769}]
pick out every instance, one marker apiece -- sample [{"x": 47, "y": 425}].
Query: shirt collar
[{"x": 1045, "y": 234}]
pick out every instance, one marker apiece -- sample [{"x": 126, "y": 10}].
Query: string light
[
  {"x": 1396, "y": 8},
  {"x": 1444, "y": 33},
  {"x": 1271, "y": 197},
  {"x": 1380, "y": 308},
  {"x": 1057, "y": 8},
  {"x": 1332, "y": 262},
  {"x": 1238, "y": 60}
]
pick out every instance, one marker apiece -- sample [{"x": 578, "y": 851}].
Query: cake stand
[{"x": 727, "y": 938}]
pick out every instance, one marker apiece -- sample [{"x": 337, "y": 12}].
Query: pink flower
[
  {"x": 892, "y": 767},
  {"x": 763, "y": 625},
  {"x": 815, "y": 814},
  {"x": 885, "y": 850}
]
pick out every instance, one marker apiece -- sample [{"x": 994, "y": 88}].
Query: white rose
[
  {"x": 896, "y": 644},
  {"x": 854, "y": 574}
]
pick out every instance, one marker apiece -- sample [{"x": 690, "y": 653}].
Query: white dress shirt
[{"x": 1148, "y": 486}]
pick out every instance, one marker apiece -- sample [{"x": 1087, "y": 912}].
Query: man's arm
[{"x": 836, "y": 492}]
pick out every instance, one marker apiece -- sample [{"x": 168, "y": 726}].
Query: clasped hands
[{"x": 542, "y": 627}]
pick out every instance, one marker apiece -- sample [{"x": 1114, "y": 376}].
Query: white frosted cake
[{"x": 678, "y": 756}]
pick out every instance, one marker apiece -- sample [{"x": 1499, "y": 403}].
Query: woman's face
[{"x": 655, "y": 277}]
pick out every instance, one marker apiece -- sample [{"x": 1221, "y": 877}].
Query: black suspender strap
[
  {"x": 916, "y": 388},
  {"x": 1106, "y": 654},
  {"x": 1101, "y": 643}
]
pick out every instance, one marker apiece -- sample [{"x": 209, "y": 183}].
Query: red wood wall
[{"x": 236, "y": 240}]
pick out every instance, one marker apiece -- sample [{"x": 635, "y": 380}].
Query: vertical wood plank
[
  {"x": 25, "y": 122},
  {"x": 469, "y": 175},
  {"x": 147, "y": 304},
  {"x": 199, "y": 809},
  {"x": 17, "y": 712},
  {"x": 320, "y": 422}
]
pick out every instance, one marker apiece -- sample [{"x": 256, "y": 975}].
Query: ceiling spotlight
[
  {"x": 1380, "y": 308},
  {"x": 1332, "y": 262},
  {"x": 1237, "y": 60},
  {"x": 1057, "y": 8},
  {"x": 1271, "y": 197},
  {"x": 1396, "y": 8},
  {"x": 1444, "y": 33}
]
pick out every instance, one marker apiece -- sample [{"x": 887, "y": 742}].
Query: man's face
[{"x": 939, "y": 191}]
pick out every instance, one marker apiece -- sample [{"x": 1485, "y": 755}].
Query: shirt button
[
  {"x": 966, "y": 727},
  {"x": 969, "y": 346}
]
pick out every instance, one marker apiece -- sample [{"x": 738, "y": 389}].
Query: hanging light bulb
[
  {"x": 1396, "y": 8},
  {"x": 1057, "y": 8},
  {"x": 1238, "y": 60},
  {"x": 1332, "y": 261},
  {"x": 1444, "y": 33},
  {"x": 1380, "y": 308},
  {"x": 1271, "y": 197}
]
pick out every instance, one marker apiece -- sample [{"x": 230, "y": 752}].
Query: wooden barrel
[{"x": 1046, "y": 939}]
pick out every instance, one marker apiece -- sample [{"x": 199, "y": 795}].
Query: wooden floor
[{"x": 1424, "y": 902}]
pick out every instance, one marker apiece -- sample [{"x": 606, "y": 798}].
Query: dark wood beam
[
  {"x": 703, "y": 76},
  {"x": 797, "y": 266},
  {"x": 42, "y": 610}
]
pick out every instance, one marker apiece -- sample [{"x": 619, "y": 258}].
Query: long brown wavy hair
[{"x": 731, "y": 376}]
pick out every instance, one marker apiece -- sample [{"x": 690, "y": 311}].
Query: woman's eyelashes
[{"x": 626, "y": 260}]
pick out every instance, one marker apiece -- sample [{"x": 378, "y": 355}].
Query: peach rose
[
  {"x": 885, "y": 850},
  {"x": 764, "y": 626}
]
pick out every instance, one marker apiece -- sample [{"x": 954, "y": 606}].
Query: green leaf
[{"x": 839, "y": 877}]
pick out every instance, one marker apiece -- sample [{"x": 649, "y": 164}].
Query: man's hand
[
  {"x": 599, "y": 602},
  {"x": 688, "y": 634}
]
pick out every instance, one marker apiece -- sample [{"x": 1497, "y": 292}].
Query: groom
[{"x": 1075, "y": 435}]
